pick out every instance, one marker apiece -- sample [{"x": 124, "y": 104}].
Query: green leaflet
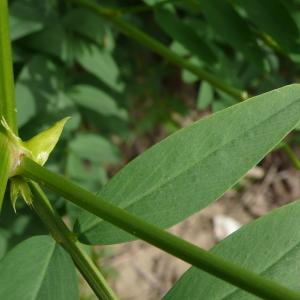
[
  {"x": 96, "y": 100},
  {"x": 15, "y": 229},
  {"x": 184, "y": 34},
  {"x": 100, "y": 63},
  {"x": 41, "y": 82},
  {"x": 205, "y": 95},
  {"x": 95, "y": 148},
  {"x": 54, "y": 40},
  {"x": 273, "y": 18},
  {"x": 38, "y": 269},
  {"x": 195, "y": 166},
  {"x": 27, "y": 18},
  {"x": 91, "y": 27},
  {"x": 231, "y": 28},
  {"x": 269, "y": 246}
]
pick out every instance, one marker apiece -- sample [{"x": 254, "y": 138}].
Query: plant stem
[
  {"x": 7, "y": 95},
  {"x": 5, "y": 161},
  {"x": 157, "y": 47},
  {"x": 217, "y": 266},
  {"x": 290, "y": 153},
  {"x": 63, "y": 235}
]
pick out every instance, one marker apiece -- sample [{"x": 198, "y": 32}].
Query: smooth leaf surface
[
  {"x": 90, "y": 175},
  {"x": 96, "y": 100},
  {"x": 94, "y": 148},
  {"x": 16, "y": 228},
  {"x": 269, "y": 246},
  {"x": 25, "y": 103},
  {"x": 91, "y": 26},
  {"x": 38, "y": 268},
  {"x": 205, "y": 95},
  {"x": 195, "y": 166},
  {"x": 100, "y": 63}
]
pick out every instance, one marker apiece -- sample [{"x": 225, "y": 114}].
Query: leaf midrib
[{"x": 44, "y": 272}]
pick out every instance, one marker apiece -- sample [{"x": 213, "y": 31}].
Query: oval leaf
[
  {"x": 100, "y": 63},
  {"x": 38, "y": 268},
  {"x": 94, "y": 148},
  {"x": 267, "y": 246},
  {"x": 96, "y": 100},
  {"x": 195, "y": 166}
]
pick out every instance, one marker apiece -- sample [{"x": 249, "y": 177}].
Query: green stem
[
  {"x": 63, "y": 235},
  {"x": 157, "y": 47},
  {"x": 7, "y": 95},
  {"x": 290, "y": 153},
  {"x": 7, "y": 100},
  {"x": 5, "y": 162},
  {"x": 217, "y": 266}
]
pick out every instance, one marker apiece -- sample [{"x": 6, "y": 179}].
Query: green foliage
[
  {"x": 71, "y": 58},
  {"x": 17, "y": 229},
  {"x": 96, "y": 100},
  {"x": 205, "y": 95},
  {"x": 184, "y": 34},
  {"x": 101, "y": 64},
  {"x": 94, "y": 148},
  {"x": 236, "y": 32},
  {"x": 284, "y": 31},
  {"x": 267, "y": 246},
  {"x": 196, "y": 165},
  {"x": 45, "y": 272}
]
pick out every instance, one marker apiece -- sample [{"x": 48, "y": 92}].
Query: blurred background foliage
[{"x": 122, "y": 97}]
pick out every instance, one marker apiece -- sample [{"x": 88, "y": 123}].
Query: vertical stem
[
  {"x": 7, "y": 95},
  {"x": 63, "y": 235},
  {"x": 209, "y": 262},
  {"x": 7, "y": 98}
]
